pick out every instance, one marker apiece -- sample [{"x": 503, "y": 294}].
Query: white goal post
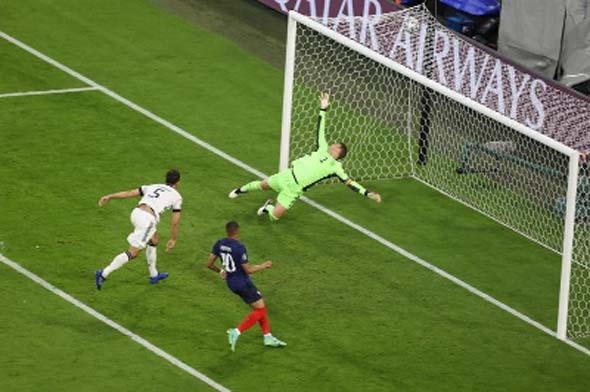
[{"x": 393, "y": 103}]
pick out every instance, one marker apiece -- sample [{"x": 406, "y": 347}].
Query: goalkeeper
[{"x": 305, "y": 172}]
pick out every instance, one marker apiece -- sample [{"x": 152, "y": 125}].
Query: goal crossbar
[{"x": 295, "y": 17}]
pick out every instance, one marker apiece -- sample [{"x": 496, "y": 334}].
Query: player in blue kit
[{"x": 236, "y": 271}]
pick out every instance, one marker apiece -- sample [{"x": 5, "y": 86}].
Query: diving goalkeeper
[{"x": 305, "y": 172}]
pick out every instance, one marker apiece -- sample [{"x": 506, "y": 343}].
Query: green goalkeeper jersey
[{"x": 320, "y": 165}]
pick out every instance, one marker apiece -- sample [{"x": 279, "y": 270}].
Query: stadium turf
[{"x": 356, "y": 315}]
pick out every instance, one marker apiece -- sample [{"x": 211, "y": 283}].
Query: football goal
[{"x": 416, "y": 100}]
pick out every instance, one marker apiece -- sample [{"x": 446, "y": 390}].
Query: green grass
[
  {"x": 356, "y": 315},
  {"x": 21, "y": 72},
  {"x": 49, "y": 345}
]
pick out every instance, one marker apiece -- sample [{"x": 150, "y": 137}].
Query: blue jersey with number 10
[{"x": 233, "y": 255}]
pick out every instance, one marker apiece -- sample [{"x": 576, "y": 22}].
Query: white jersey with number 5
[{"x": 160, "y": 197}]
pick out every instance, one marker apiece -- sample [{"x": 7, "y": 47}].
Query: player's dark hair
[
  {"x": 343, "y": 151},
  {"x": 172, "y": 177},
  {"x": 231, "y": 228}
]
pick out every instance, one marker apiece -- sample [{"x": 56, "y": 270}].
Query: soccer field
[{"x": 357, "y": 316}]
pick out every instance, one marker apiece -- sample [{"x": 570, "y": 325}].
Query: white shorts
[{"x": 145, "y": 227}]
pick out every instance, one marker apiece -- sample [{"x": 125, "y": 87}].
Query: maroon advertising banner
[{"x": 333, "y": 8}]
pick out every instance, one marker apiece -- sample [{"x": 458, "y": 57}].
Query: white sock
[
  {"x": 117, "y": 263},
  {"x": 152, "y": 256}
]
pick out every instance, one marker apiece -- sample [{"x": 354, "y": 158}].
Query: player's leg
[
  {"x": 258, "y": 311},
  {"x": 276, "y": 211},
  {"x": 118, "y": 261},
  {"x": 152, "y": 257},
  {"x": 252, "y": 186},
  {"x": 259, "y": 308},
  {"x": 286, "y": 198},
  {"x": 144, "y": 228},
  {"x": 268, "y": 338},
  {"x": 250, "y": 295},
  {"x": 275, "y": 182},
  {"x": 151, "y": 254}
]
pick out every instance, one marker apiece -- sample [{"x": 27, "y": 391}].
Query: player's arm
[
  {"x": 356, "y": 187},
  {"x": 214, "y": 255},
  {"x": 211, "y": 263},
  {"x": 322, "y": 143},
  {"x": 119, "y": 195},
  {"x": 173, "y": 230},
  {"x": 253, "y": 268}
]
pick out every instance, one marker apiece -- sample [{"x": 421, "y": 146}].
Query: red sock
[
  {"x": 264, "y": 323},
  {"x": 251, "y": 319}
]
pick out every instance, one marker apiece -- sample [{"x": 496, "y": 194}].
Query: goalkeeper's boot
[
  {"x": 271, "y": 341},
  {"x": 262, "y": 210},
  {"x": 235, "y": 193},
  {"x": 159, "y": 277},
  {"x": 99, "y": 279},
  {"x": 232, "y": 336}
]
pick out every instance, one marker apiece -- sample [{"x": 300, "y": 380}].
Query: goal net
[{"x": 412, "y": 99}]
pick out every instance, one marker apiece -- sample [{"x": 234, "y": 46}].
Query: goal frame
[{"x": 295, "y": 19}]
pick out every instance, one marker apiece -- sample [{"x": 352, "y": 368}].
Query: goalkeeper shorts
[{"x": 288, "y": 190}]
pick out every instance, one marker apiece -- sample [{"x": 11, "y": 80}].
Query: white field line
[
  {"x": 138, "y": 339},
  {"x": 48, "y": 92},
  {"x": 327, "y": 211}
]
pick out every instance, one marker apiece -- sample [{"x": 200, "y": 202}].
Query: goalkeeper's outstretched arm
[
  {"x": 358, "y": 188},
  {"x": 322, "y": 143}
]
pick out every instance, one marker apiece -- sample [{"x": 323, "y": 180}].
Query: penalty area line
[
  {"x": 250, "y": 169},
  {"x": 49, "y": 92},
  {"x": 99, "y": 316}
]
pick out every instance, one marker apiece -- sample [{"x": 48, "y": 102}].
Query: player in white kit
[{"x": 155, "y": 199}]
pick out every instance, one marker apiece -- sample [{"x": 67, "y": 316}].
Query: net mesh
[
  {"x": 579, "y": 300},
  {"x": 396, "y": 127},
  {"x": 368, "y": 113}
]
